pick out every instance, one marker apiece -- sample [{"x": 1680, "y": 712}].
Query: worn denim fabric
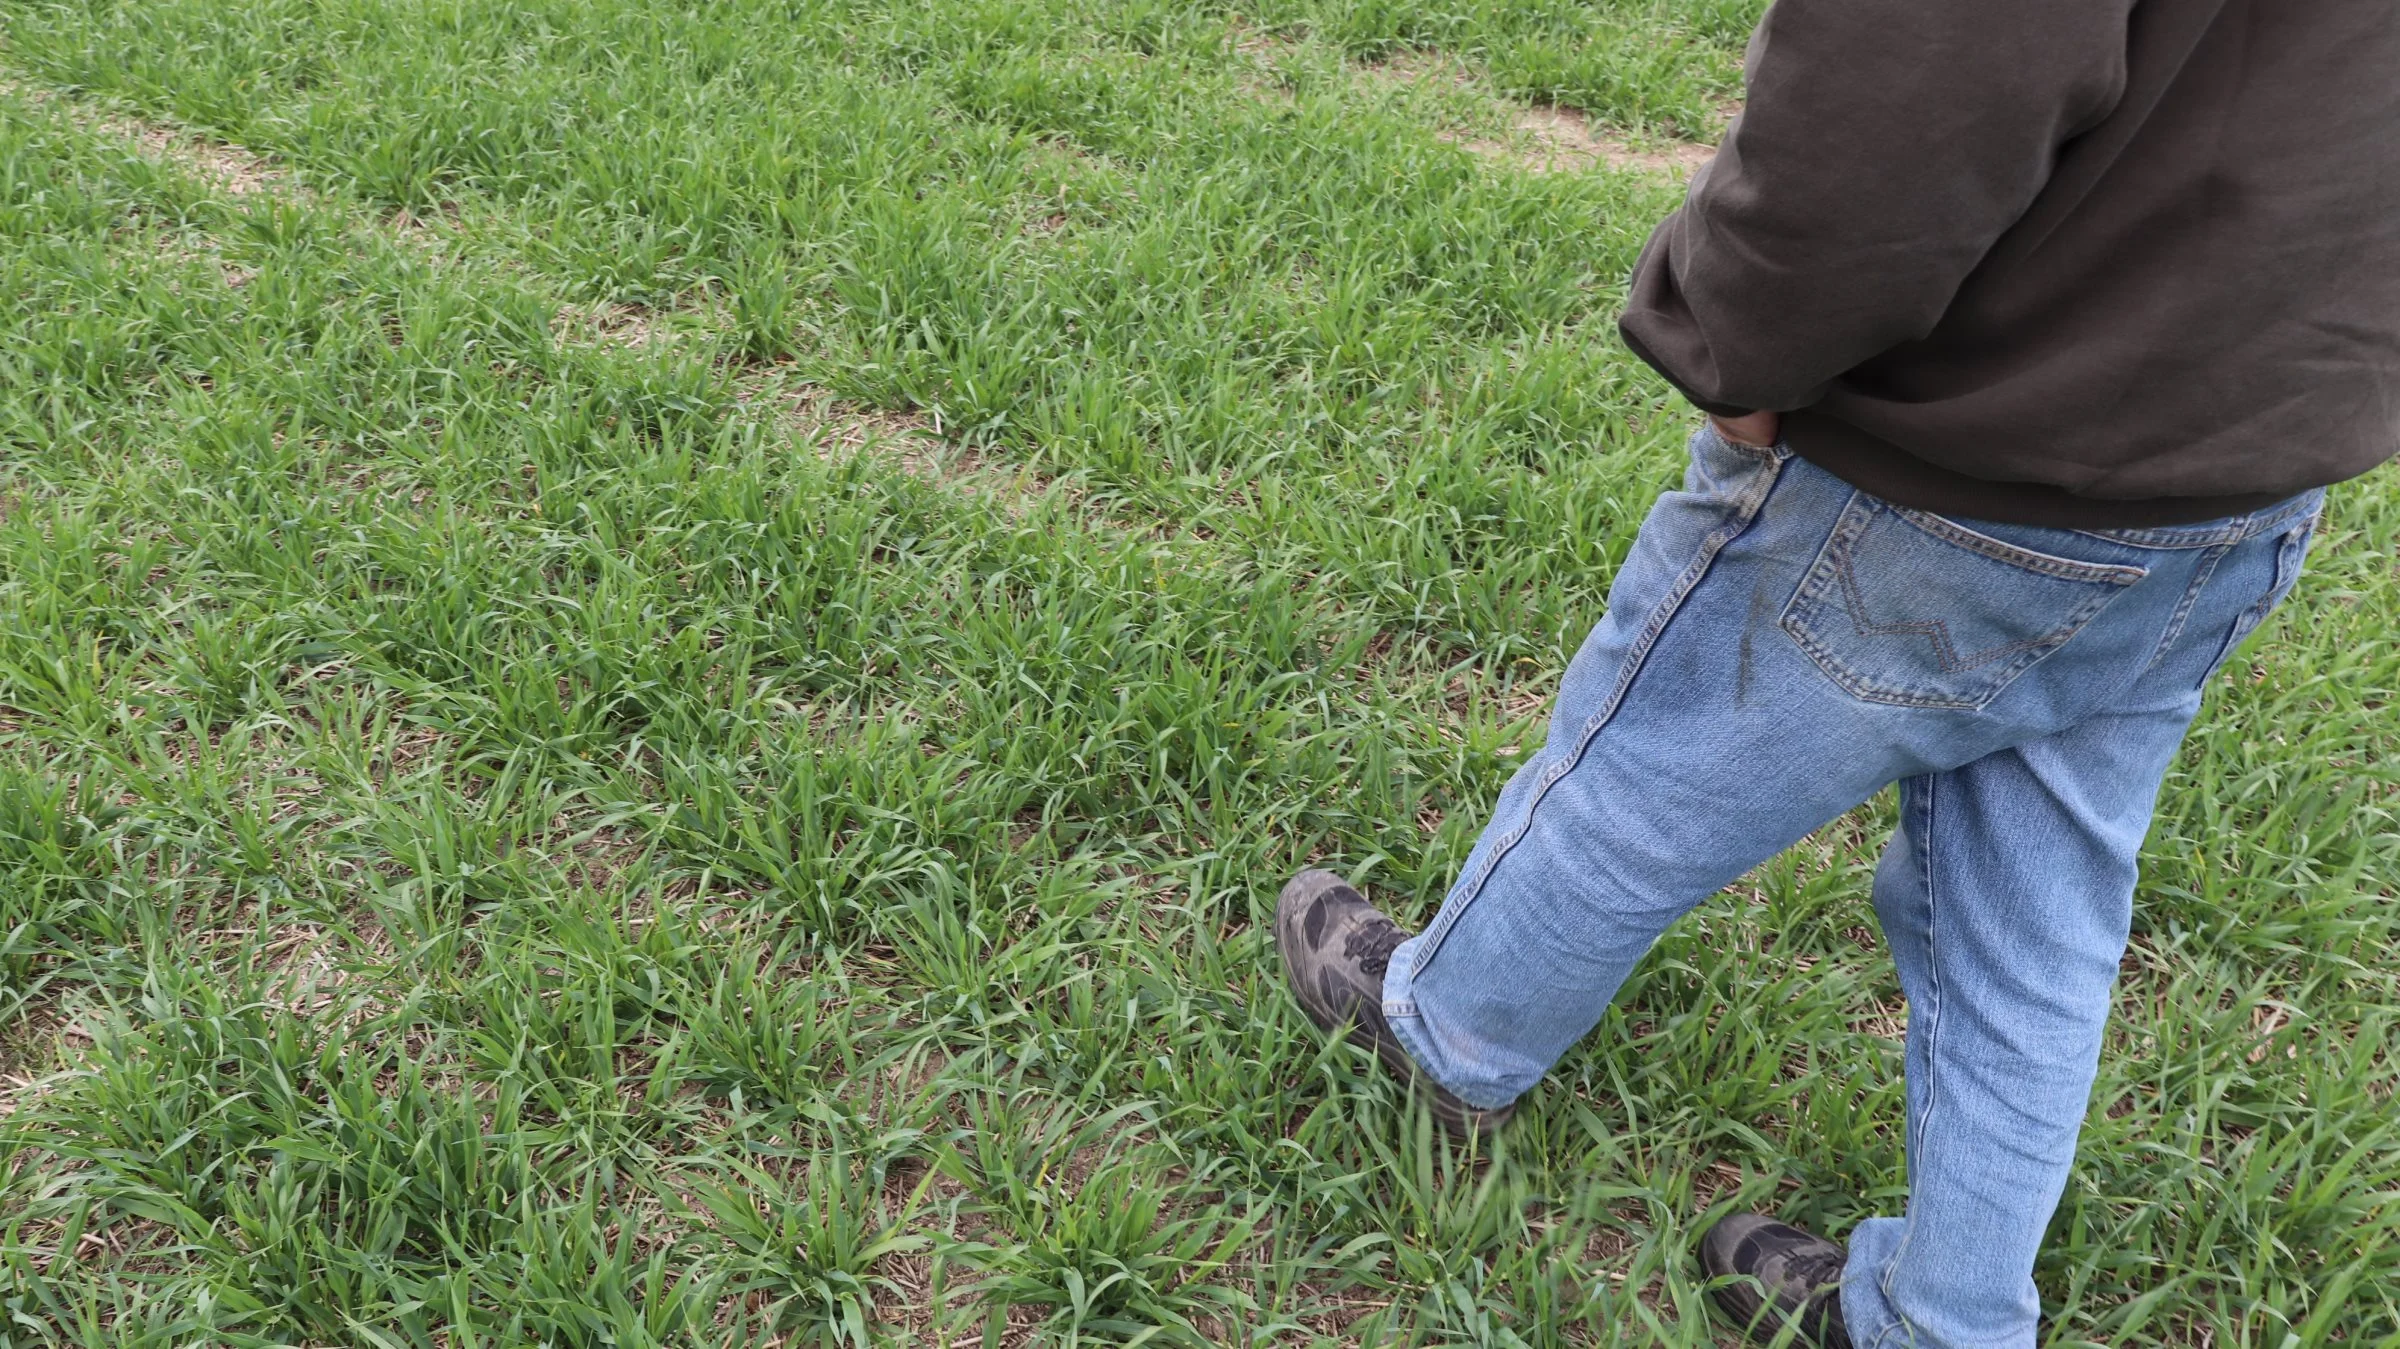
[{"x": 1777, "y": 648}]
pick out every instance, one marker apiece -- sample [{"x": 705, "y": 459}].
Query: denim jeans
[{"x": 1777, "y": 648}]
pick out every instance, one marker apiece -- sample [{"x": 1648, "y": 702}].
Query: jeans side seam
[
  {"x": 2191, "y": 596},
  {"x": 2288, "y": 561},
  {"x": 1933, "y": 1025},
  {"x": 1745, "y": 512},
  {"x": 1933, "y": 964}
]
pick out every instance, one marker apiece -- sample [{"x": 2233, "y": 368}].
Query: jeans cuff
[
  {"x": 1866, "y": 1313},
  {"x": 1400, "y": 1014}
]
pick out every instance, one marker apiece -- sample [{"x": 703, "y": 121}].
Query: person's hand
[{"x": 1758, "y": 429}]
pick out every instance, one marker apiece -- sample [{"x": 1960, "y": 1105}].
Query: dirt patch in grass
[
  {"x": 1543, "y": 138},
  {"x": 27, "y": 1057},
  {"x": 616, "y": 325},
  {"x": 1563, "y": 140},
  {"x": 1546, "y": 138},
  {"x": 38, "y": 1051},
  {"x": 230, "y": 168},
  {"x": 842, "y": 428}
]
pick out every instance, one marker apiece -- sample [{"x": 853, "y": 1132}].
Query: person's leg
[
  {"x": 1777, "y": 648},
  {"x": 1683, "y": 750},
  {"x": 2006, "y": 895}
]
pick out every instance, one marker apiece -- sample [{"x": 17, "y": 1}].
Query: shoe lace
[
  {"x": 1372, "y": 946},
  {"x": 1821, "y": 1314},
  {"x": 1817, "y": 1270}
]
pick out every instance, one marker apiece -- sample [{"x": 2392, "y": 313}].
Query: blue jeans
[{"x": 1779, "y": 647}]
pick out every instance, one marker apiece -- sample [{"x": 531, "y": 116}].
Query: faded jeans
[{"x": 1777, "y": 648}]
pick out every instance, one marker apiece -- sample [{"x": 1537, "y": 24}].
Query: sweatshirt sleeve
[{"x": 1885, "y": 145}]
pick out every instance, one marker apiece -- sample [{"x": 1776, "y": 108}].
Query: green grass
[{"x": 509, "y": 836}]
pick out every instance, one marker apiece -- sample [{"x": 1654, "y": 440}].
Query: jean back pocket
[{"x": 1911, "y": 609}]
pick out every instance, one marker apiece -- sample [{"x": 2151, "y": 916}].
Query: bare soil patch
[
  {"x": 1548, "y": 138},
  {"x": 1563, "y": 140}
]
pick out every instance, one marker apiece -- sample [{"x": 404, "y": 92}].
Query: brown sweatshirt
[{"x": 2057, "y": 262}]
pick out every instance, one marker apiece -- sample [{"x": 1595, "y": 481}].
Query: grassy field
[{"x": 657, "y": 662}]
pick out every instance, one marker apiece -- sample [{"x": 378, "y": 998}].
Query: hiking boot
[
  {"x": 1790, "y": 1274},
  {"x": 1335, "y": 948}
]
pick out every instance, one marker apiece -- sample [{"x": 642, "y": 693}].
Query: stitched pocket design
[{"x": 1911, "y": 609}]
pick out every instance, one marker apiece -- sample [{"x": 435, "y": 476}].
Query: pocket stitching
[
  {"x": 1935, "y": 630},
  {"x": 2183, "y": 609},
  {"x": 2024, "y": 559},
  {"x": 1835, "y": 565}
]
